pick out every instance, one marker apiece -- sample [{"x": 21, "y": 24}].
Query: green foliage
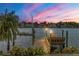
[
  {"x": 1, "y": 53},
  {"x": 16, "y": 51},
  {"x": 8, "y": 27},
  {"x": 58, "y": 50},
  {"x": 35, "y": 51},
  {"x": 39, "y": 51}
]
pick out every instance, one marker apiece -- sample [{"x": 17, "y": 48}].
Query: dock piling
[{"x": 67, "y": 38}]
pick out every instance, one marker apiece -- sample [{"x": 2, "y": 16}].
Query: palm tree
[{"x": 8, "y": 27}]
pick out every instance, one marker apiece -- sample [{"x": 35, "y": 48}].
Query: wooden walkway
[{"x": 43, "y": 43}]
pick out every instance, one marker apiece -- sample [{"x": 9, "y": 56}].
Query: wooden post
[
  {"x": 63, "y": 45},
  {"x": 33, "y": 36},
  {"x": 33, "y": 32},
  {"x": 67, "y": 38},
  {"x": 62, "y": 33}
]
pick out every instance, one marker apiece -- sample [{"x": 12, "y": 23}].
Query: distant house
[{"x": 22, "y": 24}]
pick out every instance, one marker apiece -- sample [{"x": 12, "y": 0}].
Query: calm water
[{"x": 26, "y": 41}]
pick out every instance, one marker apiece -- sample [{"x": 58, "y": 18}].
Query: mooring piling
[{"x": 67, "y": 38}]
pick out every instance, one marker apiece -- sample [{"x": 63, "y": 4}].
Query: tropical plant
[
  {"x": 1, "y": 53},
  {"x": 17, "y": 51},
  {"x": 35, "y": 52},
  {"x": 8, "y": 27}
]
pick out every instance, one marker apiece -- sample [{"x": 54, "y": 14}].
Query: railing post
[
  {"x": 67, "y": 38},
  {"x": 63, "y": 45}
]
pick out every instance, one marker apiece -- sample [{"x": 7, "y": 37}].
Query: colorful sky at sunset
[{"x": 50, "y": 12}]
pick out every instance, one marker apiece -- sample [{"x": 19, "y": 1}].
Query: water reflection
[{"x": 26, "y": 41}]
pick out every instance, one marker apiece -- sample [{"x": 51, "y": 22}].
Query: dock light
[
  {"x": 50, "y": 31},
  {"x": 50, "y": 34},
  {"x": 46, "y": 30}
]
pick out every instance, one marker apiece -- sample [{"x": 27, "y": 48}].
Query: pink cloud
[
  {"x": 30, "y": 9},
  {"x": 72, "y": 20},
  {"x": 49, "y": 11},
  {"x": 58, "y": 13}
]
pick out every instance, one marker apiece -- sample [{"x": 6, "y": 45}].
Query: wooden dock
[
  {"x": 26, "y": 34},
  {"x": 57, "y": 40},
  {"x": 57, "y": 43}
]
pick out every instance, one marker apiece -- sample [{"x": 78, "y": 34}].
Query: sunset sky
[{"x": 50, "y": 12}]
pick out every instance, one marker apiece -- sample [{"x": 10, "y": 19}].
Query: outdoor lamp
[
  {"x": 46, "y": 29},
  {"x": 50, "y": 33}
]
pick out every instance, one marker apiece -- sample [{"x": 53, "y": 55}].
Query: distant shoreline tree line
[{"x": 50, "y": 25}]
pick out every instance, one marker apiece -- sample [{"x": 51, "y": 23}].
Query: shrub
[
  {"x": 39, "y": 51},
  {"x": 16, "y": 51},
  {"x": 69, "y": 50},
  {"x": 35, "y": 51},
  {"x": 57, "y": 51},
  {"x": 1, "y": 53}
]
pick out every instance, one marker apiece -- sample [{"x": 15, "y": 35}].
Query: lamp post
[
  {"x": 50, "y": 37},
  {"x": 50, "y": 33},
  {"x": 46, "y": 29}
]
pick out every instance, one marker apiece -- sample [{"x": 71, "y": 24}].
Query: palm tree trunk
[
  {"x": 13, "y": 42},
  {"x": 8, "y": 45}
]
